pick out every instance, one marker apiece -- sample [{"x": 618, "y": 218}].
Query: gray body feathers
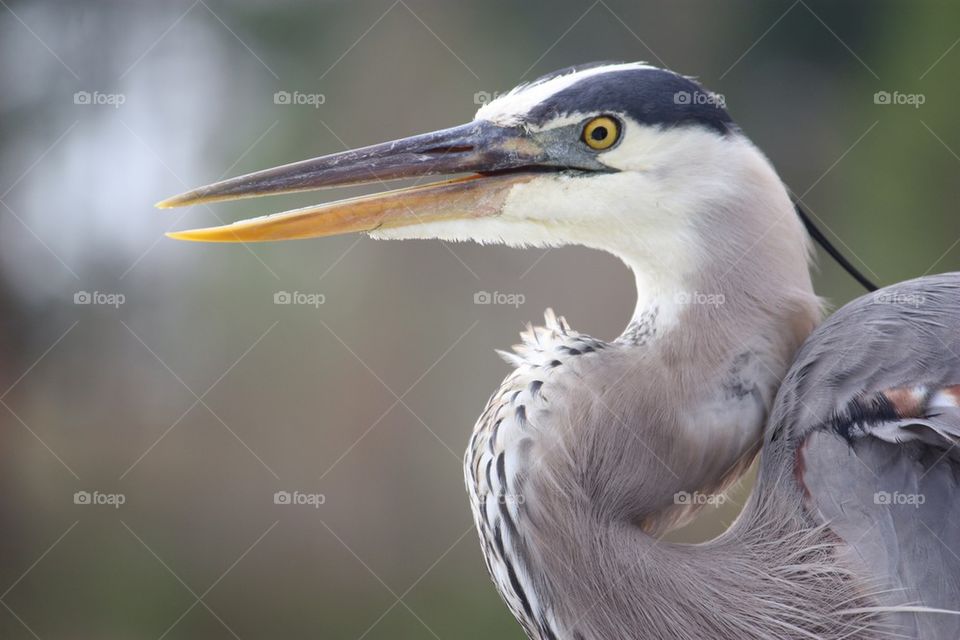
[
  {"x": 575, "y": 465},
  {"x": 869, "y": 414}
]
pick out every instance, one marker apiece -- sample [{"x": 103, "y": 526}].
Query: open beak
[{"x": 498, "y": 157}]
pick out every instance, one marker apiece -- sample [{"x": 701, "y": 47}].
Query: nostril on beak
[{"x": 463, "y": 148}]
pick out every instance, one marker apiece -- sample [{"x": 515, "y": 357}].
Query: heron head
[{"x": 628, "y": 158}]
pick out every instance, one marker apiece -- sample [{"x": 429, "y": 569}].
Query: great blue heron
[{"x": 590, "y": 451}]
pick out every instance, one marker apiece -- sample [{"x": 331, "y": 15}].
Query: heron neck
[
  {"x": 720, "y": 260},
  {"x": 703, "y": 318},
  {"x": 575, "y": 467}
]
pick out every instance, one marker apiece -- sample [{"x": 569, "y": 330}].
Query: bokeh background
[{"x": 182, "y": 388}]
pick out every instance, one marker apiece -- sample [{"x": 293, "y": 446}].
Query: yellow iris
[{"x": 601, "y": 132}]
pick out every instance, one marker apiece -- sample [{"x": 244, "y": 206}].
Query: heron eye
[{"x": 601, "y": 132}]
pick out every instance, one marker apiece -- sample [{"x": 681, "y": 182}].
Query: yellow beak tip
[{"x": 189, "y": 236}]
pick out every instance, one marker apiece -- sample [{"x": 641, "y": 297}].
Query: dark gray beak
[{"x": 500, "y": 157}]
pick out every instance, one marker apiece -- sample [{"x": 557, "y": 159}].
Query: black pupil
[{"x": 599, "y": 133}]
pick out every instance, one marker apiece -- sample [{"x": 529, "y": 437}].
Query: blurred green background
[{"x": 198, "y": 398}]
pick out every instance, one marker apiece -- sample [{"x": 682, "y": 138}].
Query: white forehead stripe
[{"x": 510, "y": 108}]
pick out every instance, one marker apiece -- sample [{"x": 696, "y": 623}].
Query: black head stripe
[{"x": 649, "y": 96}]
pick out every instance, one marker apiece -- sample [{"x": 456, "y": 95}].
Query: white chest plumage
[{"x": 502, "y": 447}]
